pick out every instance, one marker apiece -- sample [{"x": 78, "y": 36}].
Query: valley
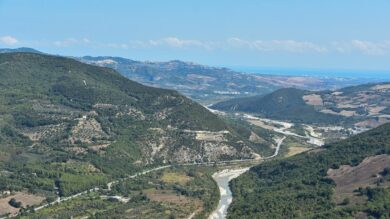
[
  {"x": 71, "y": 130},
  {"x": 222, "y": 173},
  {"x": 82, "y": 141},
  {"x": 194, "y": 109}
]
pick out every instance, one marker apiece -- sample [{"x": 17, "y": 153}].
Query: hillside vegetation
[
  {"x": 69, "y": 126},
  {"x": 300, "y": 187},
  {"x": 364, "y": 106},
  {"x": 283, "y": 104}
]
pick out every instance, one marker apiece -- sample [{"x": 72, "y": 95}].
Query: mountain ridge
[
  {"x": 63, "y": 121},
  {"x": 206, "y": 84}
]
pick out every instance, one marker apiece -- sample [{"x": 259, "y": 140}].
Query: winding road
[
  {"x": 222, "y": 178},
  {"x": 110, "y": 184}
]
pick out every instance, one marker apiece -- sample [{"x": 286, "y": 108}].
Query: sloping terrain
[
  {"x": 364, "y": 105},
  {"x": 21, "y": 49},
  {"x": 67, "y": 126},
  {"x": 199, "y": 82},
  {"x": 283, "y": 104},
  {"x": 210, "y": 84},
  {"x": 368, "y": 173},
  {"x": 207, "y": 84},
  {"x": 305, "y": 185}
]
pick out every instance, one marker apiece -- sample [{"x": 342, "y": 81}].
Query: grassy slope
[{"x": 297, "y": 187}]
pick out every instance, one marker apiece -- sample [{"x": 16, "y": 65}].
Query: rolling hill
[
  {"x": 201, "y": 83},
  {"x": 347, "y": 179},
  {"x": 207, "y": 84},
  {"x": 76, "y": 126},
  {"x": 21, "y": 49},
  {"x": 363, "y": 105}
]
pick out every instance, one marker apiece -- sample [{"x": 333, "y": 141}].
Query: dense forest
[{"x": 298, "y": 187}]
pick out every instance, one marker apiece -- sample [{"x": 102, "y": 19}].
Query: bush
[{"x": 14, "y": 203}]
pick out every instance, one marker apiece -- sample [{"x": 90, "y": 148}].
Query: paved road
[
  {"x": 278, "y": 144},
  {"x": 109, "y": 185}
]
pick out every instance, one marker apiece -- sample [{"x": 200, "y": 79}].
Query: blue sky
[{"x": 332, "y": 34}]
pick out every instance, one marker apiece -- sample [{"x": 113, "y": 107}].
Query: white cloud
[
  {"x": 294, "y": 46},
  {"x": 371, "y": 48},
  {"x": 116, "y": 45},
  {"x": 8, "y": 40},
  {"x": 368, "y": 48},
  {"x": 277, "y": 45},
  {"x": 362, "y": 46},
  {"x": 234, "y": 42},
  {"x": 71, "y": 42},
  {"x": 179, "y": 43}
]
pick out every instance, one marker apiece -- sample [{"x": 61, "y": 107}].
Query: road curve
[{"x": 109, "y": 185}]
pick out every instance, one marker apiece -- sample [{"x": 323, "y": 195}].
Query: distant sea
[{"x": 356, "y": 74}]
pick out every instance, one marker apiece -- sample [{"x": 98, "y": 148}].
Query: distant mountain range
[
  {"x": 365, "y": 105},
  {"x": 67, "y": 126},
  {"x": 207, "y": 84},
  {"x": 210, "y": 84}
]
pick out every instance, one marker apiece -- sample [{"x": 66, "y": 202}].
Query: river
[{"x": 223, "y": 178}]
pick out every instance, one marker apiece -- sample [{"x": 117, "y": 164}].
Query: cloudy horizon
[{"x": 279, "y": 34}]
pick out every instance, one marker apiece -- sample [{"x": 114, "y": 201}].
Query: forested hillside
[
  {"x": 363, "y": 106},
  {"x": 283, "y": 104},
  {"x": 306, "y": 186},
  {"x": 71, "y": 126}
]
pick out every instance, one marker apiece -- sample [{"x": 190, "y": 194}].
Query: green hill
[
  {"x": 301, "y": 187},
  {"x": 362, "y": 106},
  {"x": 283, "y": 104},
  {"x": 77, "y": 126}
]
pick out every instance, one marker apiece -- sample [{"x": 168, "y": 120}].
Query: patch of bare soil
[
  {"x": 372, "y": 123},
  {"x": 99, "y": 147},
  {"x": 86, "y": 130},
  {"x": 375, "y": 110},
  {"x": 316, "y": 150},
  {"x": 313, "y": 99},
  {"x": 255, "y": 138},
  {"x": 345, "y": 113},
  {"x": 381, "y": 87},
  {"x": 210, "y": 136},
  {"x": 166, "y": 196},
  {"x": 348, "y": 178},
  {"x": 296, "y": 150},
  {"x": 260, "y": 124},
  {"x": 25, "y": 198}
]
